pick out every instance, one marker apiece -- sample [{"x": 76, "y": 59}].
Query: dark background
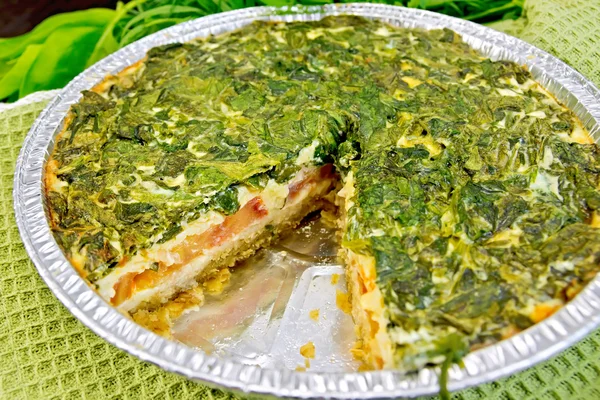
[{"x": 20, "y": 16}]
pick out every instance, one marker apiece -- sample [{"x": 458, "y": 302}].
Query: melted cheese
[
  {"x": 548, "y": 158},
  {"x": 506, "y": 238},
  {"x": 579, "y": 135},
  {"x": 155, "y": 189},
  {"x": 507, "y": 92},
  {"x": 595, "y": 222},
  {"x": 383, "y": 31},
  {"x": 537, "y": 114},
  {"x": 246, "y": 193},
  {"x": 544, "y": 182},
  {"x": 149, "y": 169},
  {"x": 370, "y": 308},
  {"x": 314, "y": 33},
  {"x": 430, "y": 144},
  {"x": 347, "y": 192},
  {"x": 563, "y": 266},
  {"x": 307, "y": 154},
  {"x": 411, "y": 82},
  {"x": 401, "y": 336},
  {"x": 177, "y": 181},
  {"x": 275, "y": 194}
]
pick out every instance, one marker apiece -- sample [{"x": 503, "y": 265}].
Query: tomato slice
[
  {"x": 195, "y": 245},
  {"x": 191, "y": 247},
  {"x": 325, "y": 172},
  {"x": 123, "y": 288}
]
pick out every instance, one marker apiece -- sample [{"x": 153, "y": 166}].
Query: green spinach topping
[{"x": 471, "y": 194}]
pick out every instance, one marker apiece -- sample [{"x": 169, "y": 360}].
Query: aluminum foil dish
[{"x": 260, "y": 352}]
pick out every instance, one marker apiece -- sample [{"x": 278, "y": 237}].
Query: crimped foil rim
[{"x": 543, "y": 340}]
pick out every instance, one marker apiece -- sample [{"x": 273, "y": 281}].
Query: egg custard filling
[{"x": 470, "y": 198}]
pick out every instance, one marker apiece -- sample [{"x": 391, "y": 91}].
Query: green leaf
[
  {"x": 11, "y": 81},
  {"x": 162, "y": 11},
  {"x": 5, "y": 66},
  {"x": 92, "y": 18},
  {"x": 237, "y": 4},
  {"x": 108, "y": 43},
  {"x": 62, "y": 57},
  {"x": 105, "y": 46},
  {"x": 133, "y": 212},
  {"x": 493, "y": 11},
  {"x": 227, "y": 200},
  {"x": 277, "y": 3},
  {"x": 144, "y": 30}
]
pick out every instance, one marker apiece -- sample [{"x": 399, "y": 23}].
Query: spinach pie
[{"x": 468, "y": 197}]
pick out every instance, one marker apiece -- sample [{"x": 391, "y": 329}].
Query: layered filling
[{"x": 215, "y": 241}]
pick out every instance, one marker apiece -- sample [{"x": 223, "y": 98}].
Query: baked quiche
[{"x": 469, "y": 198}]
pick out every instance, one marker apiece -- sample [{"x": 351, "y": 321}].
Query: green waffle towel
[{"x": 46, "y": 353}]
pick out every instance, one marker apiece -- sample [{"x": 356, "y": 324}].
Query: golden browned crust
[{"x": 110, "y": 80}]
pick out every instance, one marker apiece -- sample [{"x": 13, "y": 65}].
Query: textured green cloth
[
  {"x": 568, "y": 29},
  {"x": 46, "y": 353}
]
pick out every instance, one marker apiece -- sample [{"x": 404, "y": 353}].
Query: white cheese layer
[{"x": 280, "y": 209}]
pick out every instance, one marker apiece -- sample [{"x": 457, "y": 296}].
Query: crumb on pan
[
  {"x": 218, "y": 282},
  {"x": 335, "y": 278},
  {"x": 308, "y": 350},
  {"x": 160, "y": 320},
  {"x": 342, "y": 301}
]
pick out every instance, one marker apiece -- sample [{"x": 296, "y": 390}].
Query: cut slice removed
[{"x": 215, "y": 241}]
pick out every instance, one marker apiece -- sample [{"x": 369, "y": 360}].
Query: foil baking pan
[{"x": 255, "y": 349}]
